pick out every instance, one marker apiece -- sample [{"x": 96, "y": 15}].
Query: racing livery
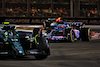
[
  {"x": 10, "y": 43},
  {"x": 19, "y": 43},
  {"x": 70, "y": 31}
]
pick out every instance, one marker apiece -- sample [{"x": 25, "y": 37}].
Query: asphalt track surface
[{"x": 63, "y": 54}]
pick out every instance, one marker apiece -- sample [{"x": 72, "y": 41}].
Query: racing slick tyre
[
  {"x": 41, "y": 42},
  {"x": 71, "y": 35},
  {"x": 43, "y": 45},
  {"x": 86, "y": 34}
]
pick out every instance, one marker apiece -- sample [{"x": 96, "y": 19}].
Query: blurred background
[
  {"x": 41, "y": 8},
  {"x": 51, "y": 8}
]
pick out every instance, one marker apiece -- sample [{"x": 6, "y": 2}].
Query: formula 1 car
[
  {"x": 70, "y": 31},
  {"x": 16, "y": 44},
  {"x": 9, "y": 42}
]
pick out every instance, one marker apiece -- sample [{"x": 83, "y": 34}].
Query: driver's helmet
[{"x": 5, "y": 33}]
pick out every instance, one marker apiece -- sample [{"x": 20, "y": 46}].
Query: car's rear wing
[
  {"x": 27, "y": 28},
  {"x": 51, "y": 19}
]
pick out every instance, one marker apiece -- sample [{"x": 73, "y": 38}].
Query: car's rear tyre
[
  {"x": 42, "y": 45},
  {"x": 86, "y": 34}
]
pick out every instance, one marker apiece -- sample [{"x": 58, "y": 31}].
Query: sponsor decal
[
  {"x": 57, "y": 37},
  {"x": 60, "y": 30},
  {"x": 7, "y": 43},
  {"x": 3, "y": 52},
  {"x": 14, "y": 39},
  {"x": 33, "y": 52}
]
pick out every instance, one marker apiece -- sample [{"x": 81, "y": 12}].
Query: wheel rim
[
  {"x": 89, "y": 34},
  {"x": 72, "y": 36}
]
